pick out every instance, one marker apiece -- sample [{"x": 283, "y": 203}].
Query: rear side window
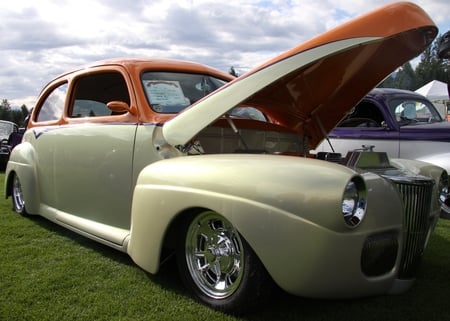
[
  {"x": 92, "y": 93},
  {"x": 411, "y": 111},
  {"x": 53, "y": 105}
]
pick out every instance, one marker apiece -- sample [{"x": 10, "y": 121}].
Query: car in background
[
  {"x": 400, "y": 122},
  {"x": 8, "y": 132},
  {"x": 162, "y": 158}
]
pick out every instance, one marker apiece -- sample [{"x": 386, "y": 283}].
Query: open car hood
[{"x": 311, "y": 87}]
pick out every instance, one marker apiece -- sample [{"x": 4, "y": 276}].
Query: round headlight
[{"x": 354, "y": 202}]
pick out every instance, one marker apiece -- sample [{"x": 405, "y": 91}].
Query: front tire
[
  {"x": 18, "y": 201},
  {"x": 218, "y": 265}
]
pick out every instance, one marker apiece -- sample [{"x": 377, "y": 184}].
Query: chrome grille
[{"x": 416, "y": 196}]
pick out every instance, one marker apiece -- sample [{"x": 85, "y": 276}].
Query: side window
[
  {"x": 413, "y": 111},
  {"x": 53, "y": 105},
  {"x": 365, "y": 114},
  {"x": 92, "y": 93}
]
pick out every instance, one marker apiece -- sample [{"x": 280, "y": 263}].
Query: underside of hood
[{"x": 311, "y": 87}]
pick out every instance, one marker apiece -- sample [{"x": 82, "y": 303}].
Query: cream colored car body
[
  {"x": 290, "y": 214},
  {"x": 126, "y": 180}
]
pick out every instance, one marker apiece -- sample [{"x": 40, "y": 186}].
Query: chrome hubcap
[
  {"x": 214, "y": 255},
  {"x": 19, "y": 203}
]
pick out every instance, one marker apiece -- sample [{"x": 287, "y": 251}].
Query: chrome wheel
[
  {"x": 214, "y": 255},
  {"x": 17, "y": 196}
]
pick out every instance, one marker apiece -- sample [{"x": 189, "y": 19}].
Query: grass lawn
[{"x": 49, "y": 273}]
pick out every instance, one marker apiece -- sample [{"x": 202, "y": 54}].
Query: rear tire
[
  {"x": 18, "y": 201},
  {"x": 218, "y": 266}
]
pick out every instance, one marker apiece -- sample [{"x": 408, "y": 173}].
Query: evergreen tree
[
  {"x": 403, "y": 78},
  {"x": 389, "y": 82},
  {"x": 429, "y": 68},
  {"x": 5, "y": 109},
  {"x": 15, "y": 115},
  {"x": 22, "y": 116}
]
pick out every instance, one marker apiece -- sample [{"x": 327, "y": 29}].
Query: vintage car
[
  {"x": 161, "y": 157},
  {"x": 7, "y": 131},
  {"x": 400, "y": 122}
]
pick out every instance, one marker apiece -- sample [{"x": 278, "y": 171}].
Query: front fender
[
  {"x": 21, "y": 162},
  {"x": 441, "y": 159},
  {"x": 261, "y": 195}
]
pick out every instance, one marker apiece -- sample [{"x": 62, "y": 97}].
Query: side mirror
[{"x": 119, "y": 107}]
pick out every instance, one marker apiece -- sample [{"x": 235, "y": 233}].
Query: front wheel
[
  {"x": 18, "y": 201},
  {"x": 218, "y": 265}
]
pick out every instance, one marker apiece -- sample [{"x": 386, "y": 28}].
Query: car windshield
[
  {"x": 171, "y": 92},
  {"x": 6, "y": 129},
  {"x": 413, "y": 111}
]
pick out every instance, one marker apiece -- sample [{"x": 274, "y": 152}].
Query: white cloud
[{"x": 41, "y": 39}]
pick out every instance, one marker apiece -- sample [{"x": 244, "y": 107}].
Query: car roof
[
  {"x": 391, "y": 92},
  {"x": 7, "y": 122},
  {"x": 152, "y": 63}
]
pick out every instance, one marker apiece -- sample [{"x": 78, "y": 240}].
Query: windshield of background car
[
  {"x": 5, "y": 130},
  {"x": 171, "y": 92},
  {"x": 412, "y": 111}
]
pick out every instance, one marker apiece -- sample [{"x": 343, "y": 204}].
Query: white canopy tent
[
  {"x": 434, "y": 90},
  {"x": 437, "y": 92}
]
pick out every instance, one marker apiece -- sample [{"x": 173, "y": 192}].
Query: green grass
[{"x": 49, "y": 273}]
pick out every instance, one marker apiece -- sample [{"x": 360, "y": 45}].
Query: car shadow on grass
[
  {"x": 167, "y": 277},
  {"x": 82, "y": 240}
]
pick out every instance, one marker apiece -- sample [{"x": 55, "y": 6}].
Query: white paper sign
[{"x": 165, "y": 93}]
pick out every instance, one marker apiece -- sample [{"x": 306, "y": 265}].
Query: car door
[{"x": 91, "y": 159}]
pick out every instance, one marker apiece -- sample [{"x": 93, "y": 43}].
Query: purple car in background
[{"x": 400, "y": 122}]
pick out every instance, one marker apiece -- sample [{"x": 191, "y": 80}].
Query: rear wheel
[
  {"x": 17, "y": 196},
  {"x": 218, "y": 265}
]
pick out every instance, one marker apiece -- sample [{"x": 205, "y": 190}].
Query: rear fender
[{"x": 21, "y": 164}]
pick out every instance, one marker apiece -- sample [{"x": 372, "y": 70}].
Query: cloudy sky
[{"x": 41, "y": 39}]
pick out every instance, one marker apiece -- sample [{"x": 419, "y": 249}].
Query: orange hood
[{"x": 311, "y": 87}]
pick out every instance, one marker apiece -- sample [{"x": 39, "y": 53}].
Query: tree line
[
  {"x": 429, "y": 68},
  {"x": 15, "y": 115}
]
